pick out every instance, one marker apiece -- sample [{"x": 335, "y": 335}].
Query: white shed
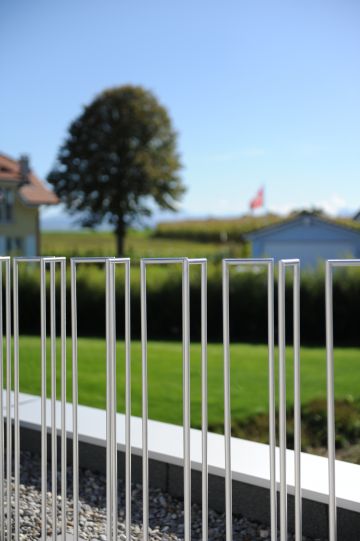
[{"x": 309, "y": 237}]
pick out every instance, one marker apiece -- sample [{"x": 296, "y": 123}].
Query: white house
[
  {"x": 21, "y": 194},
  {"x": 309, "y": 237}
]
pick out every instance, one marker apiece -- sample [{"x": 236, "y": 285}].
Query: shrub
[{"x": 313, "y": 425}]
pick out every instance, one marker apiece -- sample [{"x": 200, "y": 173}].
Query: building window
[
  {"x": 14, "y": 245},
  {"x": 6, "y": 206},
  {"x": 18, "y": 244}
]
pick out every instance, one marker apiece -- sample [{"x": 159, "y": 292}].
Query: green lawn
[{"x": 249, "y": 377}]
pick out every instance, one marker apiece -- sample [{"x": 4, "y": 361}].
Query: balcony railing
[{"x": 10, "y": 444}]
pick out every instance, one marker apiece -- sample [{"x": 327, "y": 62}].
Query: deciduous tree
[{"x": 119, "y": 161}]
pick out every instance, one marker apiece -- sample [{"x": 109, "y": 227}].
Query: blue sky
[{"x": 262, "y": 92}]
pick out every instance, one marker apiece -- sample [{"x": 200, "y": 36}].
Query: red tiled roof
[{"x": 33, "y": 192}]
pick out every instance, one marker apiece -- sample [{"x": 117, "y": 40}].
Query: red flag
[{"x": 258, "y": 200}]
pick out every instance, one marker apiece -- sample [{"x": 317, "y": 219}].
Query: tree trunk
[{"x": 120, "y": 237}]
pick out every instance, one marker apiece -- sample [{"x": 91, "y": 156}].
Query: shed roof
[
  {"x": 347, "y": 225},
  {"x": 32, "y": 191}
]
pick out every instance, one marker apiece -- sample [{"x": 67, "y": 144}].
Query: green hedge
[{"x": 248, "y": 306}]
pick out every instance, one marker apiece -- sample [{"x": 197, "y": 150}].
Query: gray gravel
[{"x": 166, "y": 513}]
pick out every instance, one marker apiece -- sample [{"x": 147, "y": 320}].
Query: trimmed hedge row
[{"x": 248, "y": 305}]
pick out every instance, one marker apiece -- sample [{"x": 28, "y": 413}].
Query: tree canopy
[{"x": 118, "y": 159}]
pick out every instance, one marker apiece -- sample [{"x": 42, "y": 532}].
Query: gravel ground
[{"x": 166, "y": 513}]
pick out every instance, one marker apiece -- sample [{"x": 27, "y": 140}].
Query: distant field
[
  {"x": 137, "y": 244},
  {"x": 214, "y": 229},
  {"x": 230, "y": 229},
  {"x": 249, "y": 377},
  {"x": 212, "y": 238}
]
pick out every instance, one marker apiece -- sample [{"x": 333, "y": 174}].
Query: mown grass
[{"x": 249, "y": 376}]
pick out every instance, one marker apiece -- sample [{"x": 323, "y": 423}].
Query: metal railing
[
  {"x": 295, "y": 264},
  {"x": 10, "y": 526},
  {"x": 330, "y": 265},
  {"x": 43, "y": 262},
  {"x": 5, "y": 315},
  {"x": 269, "y": 265},
  {"x": 185, "y": 265},
  {"x": 111, "y": 445}
]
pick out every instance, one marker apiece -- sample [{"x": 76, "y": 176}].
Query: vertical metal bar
[
  {"x": 186, "y": 398},
  {"x": 2, "y": 444},
  {"x": 127, "y": 403},
  {"x": 330, "y": 400},
  {"x": 145, "y": 457},
  {"x": 114, "y": 476},
  {"x": 227, "y": 401},
  {"x": 75, "y": 401},
  {"x": 8, "y": 395},
  {"x": 16, "y": 400},
  {"x": 282, "y": 403},
  {"x": 297, "y": 404},
  {"x": 43, "y": 398},
  {"x": 272, "y": 421},
  {"x": 53, "y": 400},
  {"x": 282, "y": 398},
  {"x": 204, "y": 402},
  {"x": 108, "y": 409},
  {"x": 63, "y": 398}
]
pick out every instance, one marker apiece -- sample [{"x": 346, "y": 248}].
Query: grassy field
[
  {"x": 137, "y": 244},
  {"x": 249, "y": 377},
  {"x": 214, "y": 229}
]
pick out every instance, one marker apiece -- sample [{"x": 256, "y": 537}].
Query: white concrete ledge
[{"x": 250, "y": 461}]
